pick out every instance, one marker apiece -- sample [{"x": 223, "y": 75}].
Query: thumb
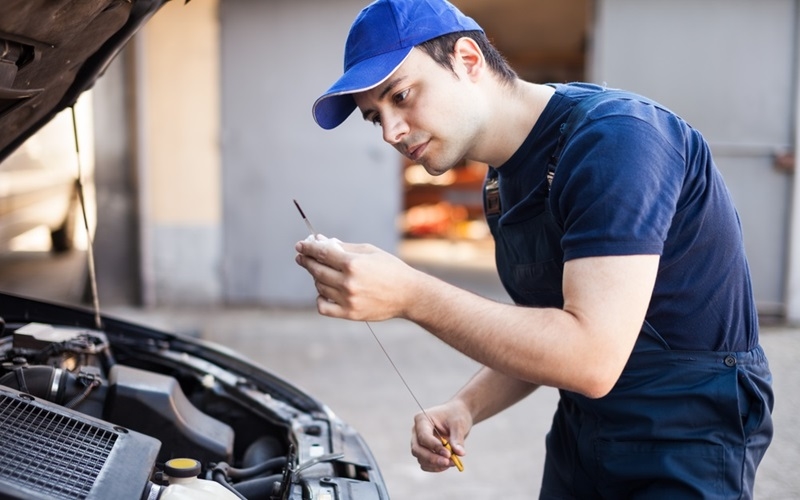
[
  {"x": 459, "y": 431},
  {"x": 456, "y": 441},
  {"x": 457, "y": 445},
  {"x": 455, "y": 453}
]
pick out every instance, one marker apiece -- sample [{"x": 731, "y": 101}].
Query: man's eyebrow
[{"x": 390, "y": 85}]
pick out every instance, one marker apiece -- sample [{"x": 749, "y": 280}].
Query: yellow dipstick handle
[{"x": 453, "y": 457}]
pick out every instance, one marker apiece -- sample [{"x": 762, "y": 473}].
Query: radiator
[{"x": 50, "y": 452}]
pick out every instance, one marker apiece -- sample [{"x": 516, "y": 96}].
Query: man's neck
[{"x": 515, "y": 112}]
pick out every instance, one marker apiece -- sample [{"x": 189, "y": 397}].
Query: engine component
[
  {"x": 84, "y": 391},
  {"x": 181, "y": 475},
  {"x": 155, "y": 405},
  {"x": 67, "y": 348},
  {"x": 51, "y": 452}
]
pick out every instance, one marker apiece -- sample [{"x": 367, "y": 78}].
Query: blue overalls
[{"x": 677, "y": 424}]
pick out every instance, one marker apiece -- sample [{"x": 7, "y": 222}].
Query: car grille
[{"x": 47, "y": 451}]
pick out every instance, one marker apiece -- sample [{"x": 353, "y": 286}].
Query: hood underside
[{"x": 51, "y": 51}]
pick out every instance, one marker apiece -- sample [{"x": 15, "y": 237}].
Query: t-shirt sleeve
[{"x": 617, "y": 185}]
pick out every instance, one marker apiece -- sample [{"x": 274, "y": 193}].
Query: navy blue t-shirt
[{"x": 632, "y": 179}]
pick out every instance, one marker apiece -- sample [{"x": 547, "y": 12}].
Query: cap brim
[{"x": 335, "y": 105}]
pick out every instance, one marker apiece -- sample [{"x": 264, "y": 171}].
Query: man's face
[{"x": 425, "y": 112}]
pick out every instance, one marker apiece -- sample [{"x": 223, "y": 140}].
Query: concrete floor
[{"x": 341, "y": 364}]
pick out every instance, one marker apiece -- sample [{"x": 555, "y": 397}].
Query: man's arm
[
  {"x": 489, "y": 392},
  {"x": 582, "y": 347}
]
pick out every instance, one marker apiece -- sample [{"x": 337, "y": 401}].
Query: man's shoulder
[
  {"x": 598, "y": 98},
  {"x": 600, "y": 107},
  {"x": 577, "y": 90}
]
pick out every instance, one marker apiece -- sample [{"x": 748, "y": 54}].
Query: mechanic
[{"x": 615, "y": 237}]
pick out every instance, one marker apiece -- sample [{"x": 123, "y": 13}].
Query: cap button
[{"x": 182, "y": 467}]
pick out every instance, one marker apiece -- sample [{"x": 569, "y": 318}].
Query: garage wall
[
  {"x": 178, "y": 155},
  {"x": 225, "y": 140},
  {"x": 116, "y": 242},
  {"x": 277, "y": 57},
  {"x": 728, "y": 67}
]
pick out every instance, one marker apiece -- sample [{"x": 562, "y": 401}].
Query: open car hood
[{"x": 51, "y": 51}]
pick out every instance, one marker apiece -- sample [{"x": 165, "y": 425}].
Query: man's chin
[
  {"x": 436, "y": 169},
  {"x": 436, "y": 172}
]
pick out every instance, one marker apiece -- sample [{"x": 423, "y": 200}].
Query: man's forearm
[
  {"x": 489, "y": 392},
  {"x": 512, "y": 340},
  {"x": 582, "y": 347}
]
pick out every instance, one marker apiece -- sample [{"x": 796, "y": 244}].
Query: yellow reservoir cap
[{"x": 182, "y": 467}]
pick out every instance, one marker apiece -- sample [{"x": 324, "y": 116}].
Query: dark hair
[{"x": 441, "y": 49}]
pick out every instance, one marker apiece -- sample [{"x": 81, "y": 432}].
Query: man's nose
[{"x": 394, "y": 128}]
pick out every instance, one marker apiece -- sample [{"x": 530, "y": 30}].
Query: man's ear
[{"x": 467, "y": 55}]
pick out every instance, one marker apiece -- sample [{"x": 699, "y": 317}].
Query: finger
[
  {"x": 320, "y": 270},
  {"x": 328, "y": 307},
  {"x": 432, "y": 468},
  {"x": 432, "y": 438},
  {"x": 453, "y": 456},
  {"x": 424, "y": 432},
  {"x": 429, "y": 460},
  {"x": 456, "y": 441},
  {"x": 330, "y": 295}
]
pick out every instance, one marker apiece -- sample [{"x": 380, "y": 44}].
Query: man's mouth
[{"x": 415, "y": 152}]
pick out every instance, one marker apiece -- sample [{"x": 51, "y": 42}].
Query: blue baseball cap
[{"x": 380, "y": 39}]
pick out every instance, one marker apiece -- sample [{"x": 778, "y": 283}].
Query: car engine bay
[{"x": 86, "y": 413}]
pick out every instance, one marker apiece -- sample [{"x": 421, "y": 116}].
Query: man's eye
[
  {"x": 400, "y": 96},
  {"x": 376, "y": 120}
]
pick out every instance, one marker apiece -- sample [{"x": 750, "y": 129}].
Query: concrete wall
[
  {"x": 793, "y": 249},
  {"x": 116, "y": 241},
  {"x": 225, "y": 141},
  {"x": 728, "y": 67},
  {"x": 277, "y": 57},
  {"x": 178, "y": 154}
]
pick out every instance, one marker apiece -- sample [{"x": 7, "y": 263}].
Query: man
[{"x": 617, "y": 239}]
